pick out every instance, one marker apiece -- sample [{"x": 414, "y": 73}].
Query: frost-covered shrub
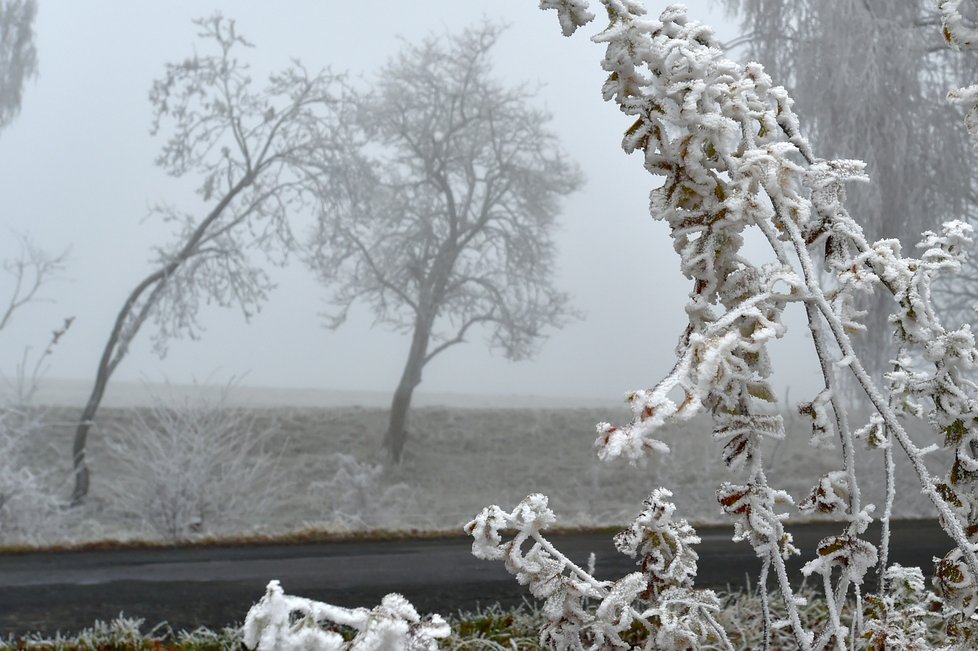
[
  {"x": 731, "y": 152},
  {"x": 280, "y": 622},
  {"x": 30, "y": 510},
  {"x": 193, "y": 466},
  {"x": 355, "y": 496},
  {"x": 658, "y": 598}
]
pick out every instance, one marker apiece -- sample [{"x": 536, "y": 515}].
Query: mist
[{"x": 77, "y": 169}]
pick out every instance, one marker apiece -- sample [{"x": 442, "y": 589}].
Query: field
[
  {"x": 324, "y": 471},
  {"x": 327, "y": 471}
]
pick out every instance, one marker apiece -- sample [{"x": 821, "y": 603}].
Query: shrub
[
  {"x": 30, "y": 511},
  {"x": 355, "y": 496},
  {"x": 730, "y": 148},
  {"x": 193, "y": 466}
]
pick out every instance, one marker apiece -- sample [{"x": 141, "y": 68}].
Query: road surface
[{"x": 215, "y": 586}]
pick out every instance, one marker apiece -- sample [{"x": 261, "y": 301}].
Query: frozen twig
[
  {"x": 730, "y": 148},
  {"x": 280, "y": 622}
]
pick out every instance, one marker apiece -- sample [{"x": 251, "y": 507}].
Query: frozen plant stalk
[
  {"x": 280, "y": 622},
  {"x": 660, "y": 598},
  {"x": 729, "y": 147}
]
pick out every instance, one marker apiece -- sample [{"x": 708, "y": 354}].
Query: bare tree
[
  {"x": 847, "y": 64},
  {"x": 247, "y": 145},
  {"x": 29, "y": 271},
  {"x": 442, "y": 220},
  {"x": 18, "y": 56}
]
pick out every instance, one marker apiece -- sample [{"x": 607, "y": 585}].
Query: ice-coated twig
[
  {"x": 659, "y": 597},
  {"x": 928, "y": 485},
  {"x": 280, "y": 622},
  {"x": 729, "y": 146}
]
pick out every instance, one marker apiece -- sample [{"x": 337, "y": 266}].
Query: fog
[
  {"x": 278, "y": 429},
  {"x": 77, "y": 170}
]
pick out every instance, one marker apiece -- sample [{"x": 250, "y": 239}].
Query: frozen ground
[
  {"x": 73, "y": 393},
  {"x": 458, "y": 459}
]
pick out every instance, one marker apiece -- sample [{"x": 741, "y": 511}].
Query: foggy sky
[{"x": 76, "y": 169}]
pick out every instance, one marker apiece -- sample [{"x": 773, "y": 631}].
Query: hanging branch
[{"x": 729, "y": 146}]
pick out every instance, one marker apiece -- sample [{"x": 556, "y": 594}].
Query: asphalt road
[{"x": 215, "y": 586}]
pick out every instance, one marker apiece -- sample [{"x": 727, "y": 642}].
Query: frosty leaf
[
  {"x": 663, "y": 545},
  {"x": 853, "y": 555},
  {"x": 873, "y": 433},
  {"x": 830, "y": 495},
  {"x": 741, "y": 433},
  {"x": 823, "y": 429},
  {"x": 969, "y": 98},
  {"x": 484, "y": 530},
  {"x": 755, "y": 519},
  {"x": 616, "y": 607},
  {"x": 571, "y": 13},
  {"x": 685, "y": 617},
  {"x": 628, "y": 442},
  {"x": 958, "y": 31},
  {"x": 898, "y": 617},
  {"x": 955, "y": 583}
]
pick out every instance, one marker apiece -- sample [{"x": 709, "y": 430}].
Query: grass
[
  {"x": 457, "y": 461},
  {"x": 491, "y": 629}
]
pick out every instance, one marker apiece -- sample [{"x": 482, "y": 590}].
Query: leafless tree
[
  {"x": 29, "y": 271},
  {"x": 247, "y": 146},
  {"x": 18, "y": 56},
  {"x": 442, "y": 219},
  {"x": 847, "y": 63}
]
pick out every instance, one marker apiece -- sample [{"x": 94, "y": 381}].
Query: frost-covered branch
[
  {"x": 280, "y": 621},
  {"x": 660, "y": 597},
  {"x": 29, "y": 271},
  {"x": 730, "y": 149}
]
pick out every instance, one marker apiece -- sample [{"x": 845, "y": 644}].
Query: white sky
[{"x": 76, "y": 169}]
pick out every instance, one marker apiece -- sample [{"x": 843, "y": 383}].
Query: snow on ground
[
  {"x": 331, "y": 471},
  {"x": 73, "y": 393}
]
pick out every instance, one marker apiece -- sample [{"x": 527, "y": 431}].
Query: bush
[
  {"x": 30, "y": 511},
  {"x": 730, "y": 148},
  {"x": 194, "y": 467},
  {"x": 356, "y": 498}
]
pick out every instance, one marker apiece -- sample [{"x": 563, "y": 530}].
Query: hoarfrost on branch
[{"x": 730, "y": 148}]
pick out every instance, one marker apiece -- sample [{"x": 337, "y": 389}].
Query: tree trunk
[
  {"x": 118, "y": 344},
  {"x": 397, "y": 430},
  {"x": 396, "y": 434},
  {"x": 115, "y": 349},
  {"x": 86, "y": 421},
  {"x": 78, "y": 452}
]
